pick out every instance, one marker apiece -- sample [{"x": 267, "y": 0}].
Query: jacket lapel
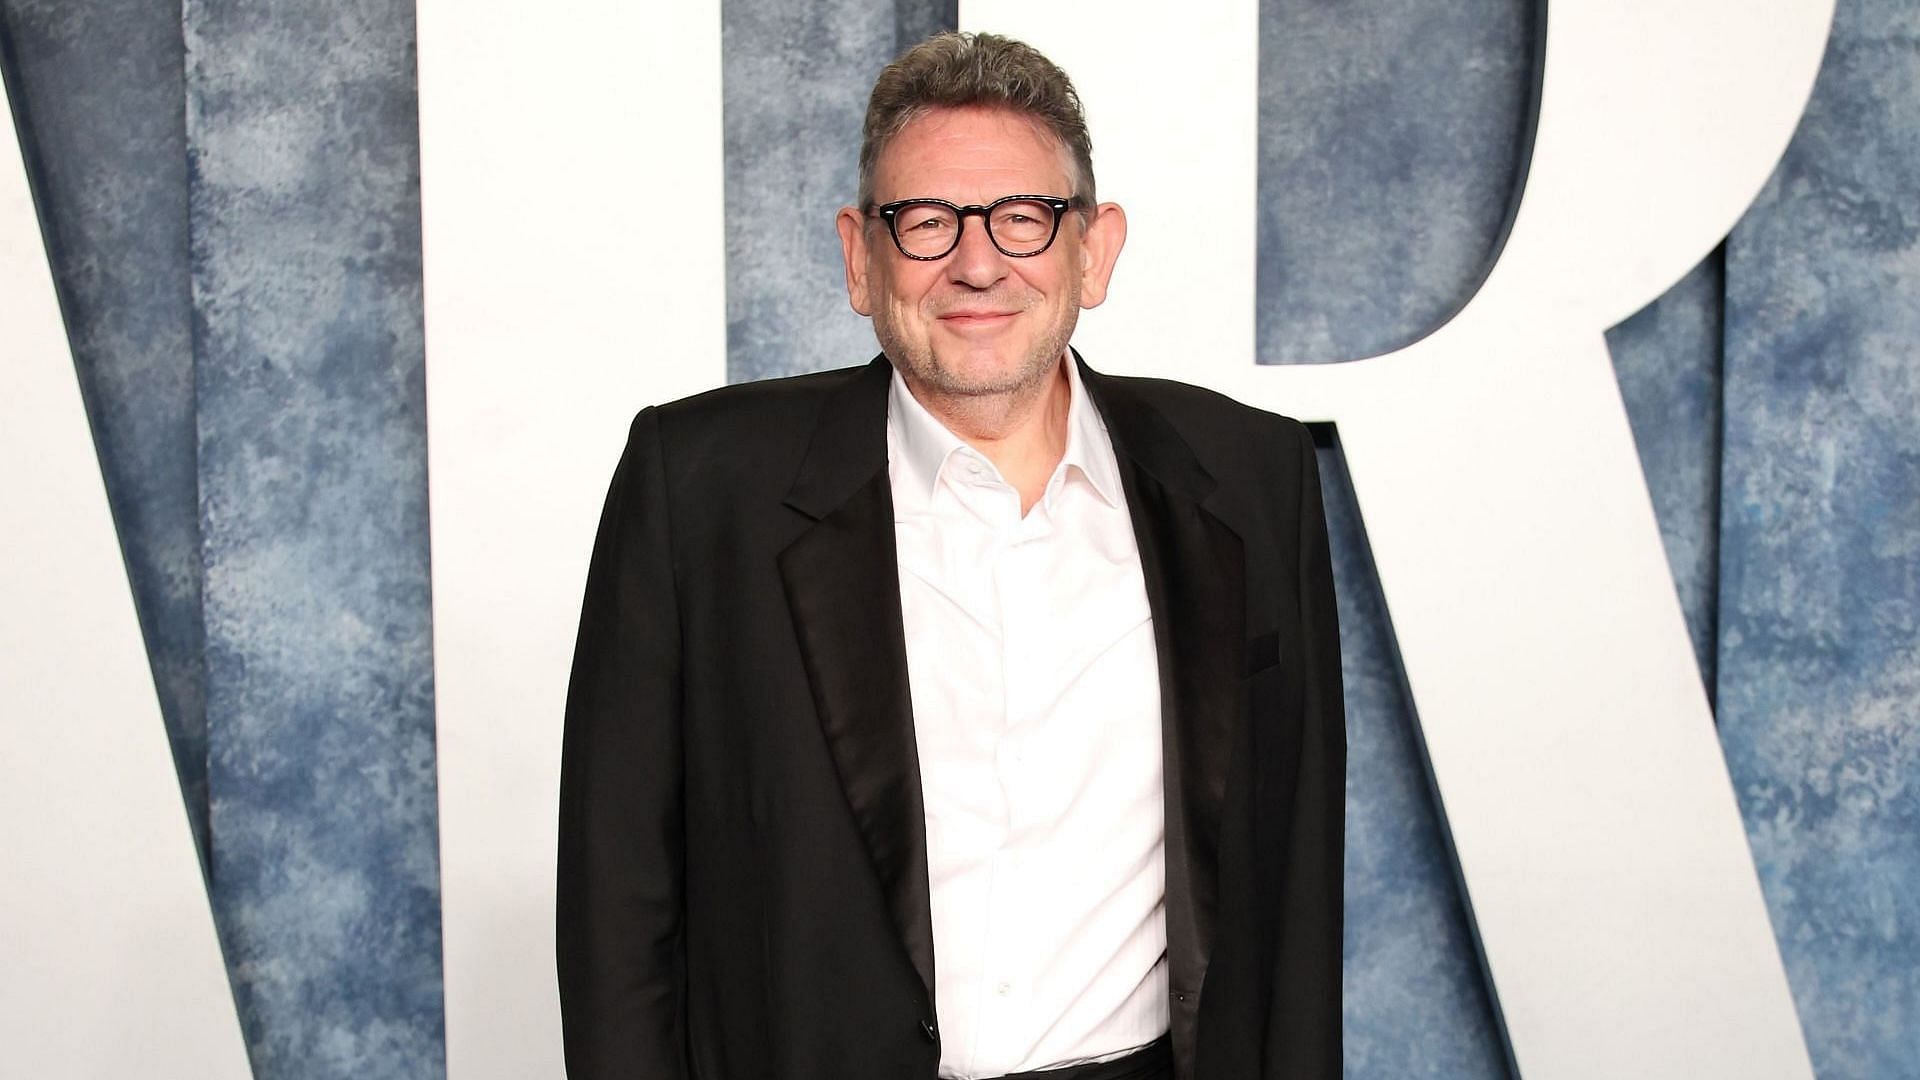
[
  {"x": 1194, "y": 568},
  {"x": 843, "y": 589}
]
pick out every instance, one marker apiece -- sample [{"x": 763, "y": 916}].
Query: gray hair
[{"x": 956, "y": 70}]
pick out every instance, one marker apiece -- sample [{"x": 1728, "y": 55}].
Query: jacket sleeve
[
  {"x": 1304, "y": 1030},
  {"x": 620, "y": 916}
]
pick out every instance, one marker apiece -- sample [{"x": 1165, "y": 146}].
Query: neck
[{"x": 1023, "y": 431}]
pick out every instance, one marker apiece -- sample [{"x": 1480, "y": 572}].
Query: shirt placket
[{"x": 1007, "y": 973}]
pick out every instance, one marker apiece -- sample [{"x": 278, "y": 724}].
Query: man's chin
[{"x": 976, "y": 376}]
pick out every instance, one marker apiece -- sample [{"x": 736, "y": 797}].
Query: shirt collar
[
  {"x": 1089, "y": 447},
  {"x": 919, "y": 444}
]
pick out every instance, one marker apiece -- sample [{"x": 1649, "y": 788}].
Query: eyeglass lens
[{"x": 930, "y": 230}]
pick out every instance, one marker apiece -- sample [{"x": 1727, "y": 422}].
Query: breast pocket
[{"x": 1263, "y": 652}]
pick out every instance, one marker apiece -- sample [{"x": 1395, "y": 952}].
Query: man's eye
[{"x": 932, "y": 224}]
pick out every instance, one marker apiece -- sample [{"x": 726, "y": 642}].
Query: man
[{"x": 968, "y": 713}]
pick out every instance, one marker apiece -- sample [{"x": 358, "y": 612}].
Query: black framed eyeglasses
[{"x": 1017, "y": 225}]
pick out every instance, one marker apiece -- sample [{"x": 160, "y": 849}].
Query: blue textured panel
[
  {"x": 98, "y": 85},
  {"x": 1415, "y": 1001},
  {"x": 1667, "y": 357},
  {"x": 1389, "y": 142},
  {"x": 796, "y": 78},
  {"x": 305, "y": 260},
  {"x": 1820, "y": 547},
  {"x": 916, "y": 20}
]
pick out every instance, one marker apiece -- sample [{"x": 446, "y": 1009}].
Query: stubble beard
[{"x": 924, "y": 370}]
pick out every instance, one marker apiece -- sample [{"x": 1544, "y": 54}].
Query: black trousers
[{"x": 1153, "y": 1061}]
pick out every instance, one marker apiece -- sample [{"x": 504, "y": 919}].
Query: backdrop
[{"x": 231, "y": 196}]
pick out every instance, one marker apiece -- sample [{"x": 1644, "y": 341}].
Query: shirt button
[{"x": 1003, "y": 989}]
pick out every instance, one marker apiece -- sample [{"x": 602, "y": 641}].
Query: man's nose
[{"x": 975, "y": 261}]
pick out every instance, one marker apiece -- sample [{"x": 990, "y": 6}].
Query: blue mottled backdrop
[{"x": 231, "y": 193}]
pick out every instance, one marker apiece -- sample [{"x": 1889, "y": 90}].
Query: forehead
[{"x": 971, "y": 155}]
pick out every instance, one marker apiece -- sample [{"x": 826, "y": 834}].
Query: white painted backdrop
[
  {"x": 109, "y": 967},
  {"x": 558, "y": 301}
]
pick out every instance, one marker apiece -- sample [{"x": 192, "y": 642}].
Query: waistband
[{"x": 1153, "y": 1061}]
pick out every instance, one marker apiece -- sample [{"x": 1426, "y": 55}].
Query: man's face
[{"x": 976, "y": 321}]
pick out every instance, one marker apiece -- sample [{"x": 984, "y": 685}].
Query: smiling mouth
[{"x": 965, "y": 317}]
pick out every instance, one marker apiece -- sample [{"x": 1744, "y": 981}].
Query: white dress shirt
[{"x": 1036, "y": 702}]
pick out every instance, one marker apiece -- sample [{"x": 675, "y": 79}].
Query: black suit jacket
[{"x": 743, "y": 869}]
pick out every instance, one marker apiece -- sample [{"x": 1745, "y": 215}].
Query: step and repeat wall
[{"x": 1634, "y": 741}]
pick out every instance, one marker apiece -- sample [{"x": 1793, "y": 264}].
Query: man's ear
[
  {"x": 1100, "y": 244},
  {"x": 853, "y": 250}
]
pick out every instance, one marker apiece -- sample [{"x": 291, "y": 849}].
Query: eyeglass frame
[{"x": 889, "y": 212}]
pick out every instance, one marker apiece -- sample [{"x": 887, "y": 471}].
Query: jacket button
[{"x": 927, "y": 1029}]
